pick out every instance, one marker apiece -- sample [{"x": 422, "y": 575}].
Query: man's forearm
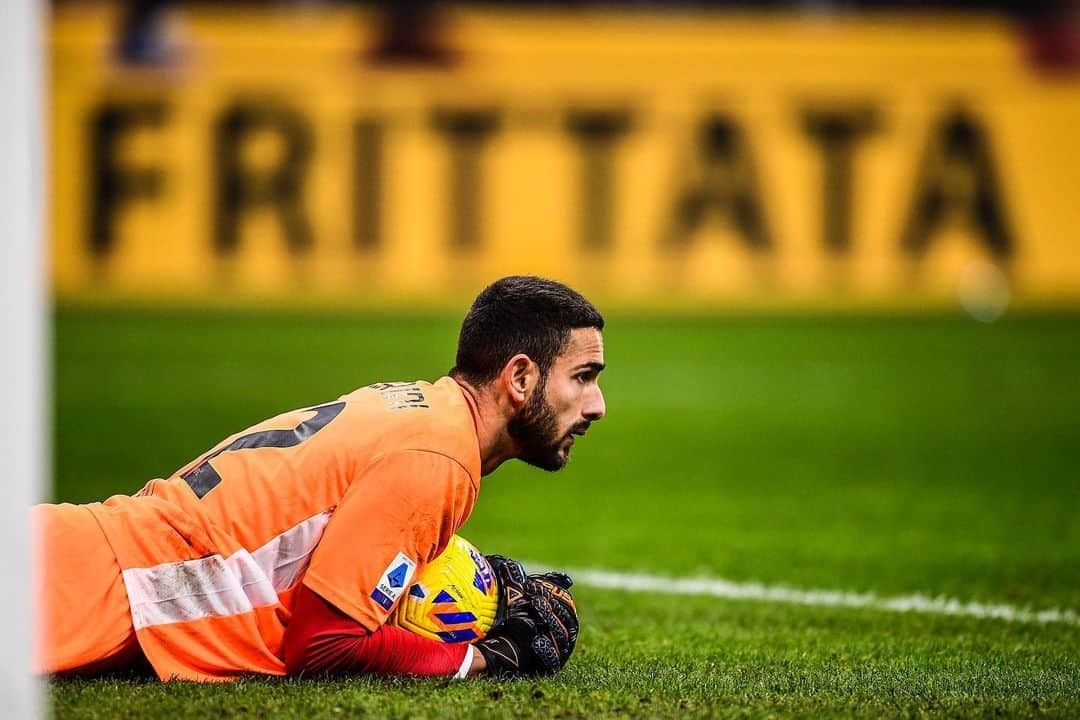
[{"x": 322, "y": 639}]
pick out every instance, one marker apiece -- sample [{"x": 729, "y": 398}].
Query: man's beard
[{"x": 537, "y": 434}]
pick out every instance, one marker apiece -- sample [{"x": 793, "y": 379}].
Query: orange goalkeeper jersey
[{"x": 351, "y": 498}]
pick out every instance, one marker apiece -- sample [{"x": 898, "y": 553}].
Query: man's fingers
[
  {"x": 555, "y": 578},
  {"x": 509, "y": 571},
  {"x": 550, "y": 660},
  {"x": 568, "y": 619},
  {"x": 566, "y": 613},
  {"x": 541, "y": 604},
  {"x": 511, "y": 578},
  {"x": 562, "y": 605},
  {"x": 562, "y": 637}
]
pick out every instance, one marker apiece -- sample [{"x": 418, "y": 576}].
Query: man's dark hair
[{"x": 520, "y": 314}]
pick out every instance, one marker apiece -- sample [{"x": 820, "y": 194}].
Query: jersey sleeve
[
  {"x": 322, "y": 639},
  {"x": 395, "y": 517}
]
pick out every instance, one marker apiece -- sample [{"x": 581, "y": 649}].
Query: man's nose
[{"x": 595, "y": 408}]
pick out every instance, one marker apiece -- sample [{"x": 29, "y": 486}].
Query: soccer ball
[{"x": 454, "y": 599}]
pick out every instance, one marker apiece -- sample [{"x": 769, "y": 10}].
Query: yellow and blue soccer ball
[{"x": 454, "y": 599}]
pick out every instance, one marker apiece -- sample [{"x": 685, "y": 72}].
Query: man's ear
[{"x": 519, "y": 378}]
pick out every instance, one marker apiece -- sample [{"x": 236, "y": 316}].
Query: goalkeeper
[{"x": 284, "y": 548}]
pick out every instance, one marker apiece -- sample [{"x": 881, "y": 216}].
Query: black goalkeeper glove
[
  {"x": 537, "y": 626},
  {"x": 563, "y": 618},
  {"x": 511, "y": 578}
]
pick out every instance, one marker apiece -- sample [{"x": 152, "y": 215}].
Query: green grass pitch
[{"x": 894, "y": 455}]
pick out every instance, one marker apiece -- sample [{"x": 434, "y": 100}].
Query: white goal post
[{"x": 25, "y": 366}]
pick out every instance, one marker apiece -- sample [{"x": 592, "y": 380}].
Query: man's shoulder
[
  {"x": 398, "y": 397},
  {"x": 422, "y": 416}
]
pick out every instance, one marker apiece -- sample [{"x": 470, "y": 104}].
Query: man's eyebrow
[{"x": 595, "y": 366}]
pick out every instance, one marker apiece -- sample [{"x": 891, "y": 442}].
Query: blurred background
[
  {"x": 781, "y": 153},
  {"x": 836, "y": 243}
]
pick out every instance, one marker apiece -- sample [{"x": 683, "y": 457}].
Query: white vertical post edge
[{"x": 25, "y": 364}]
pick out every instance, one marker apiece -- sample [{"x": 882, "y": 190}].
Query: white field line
[{"x": 727, "y": 589}]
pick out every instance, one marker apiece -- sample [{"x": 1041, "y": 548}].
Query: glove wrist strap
[{"x": 466, "y": 664}]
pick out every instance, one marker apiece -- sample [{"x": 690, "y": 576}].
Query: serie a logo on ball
[{"x": 454, "y": 599}]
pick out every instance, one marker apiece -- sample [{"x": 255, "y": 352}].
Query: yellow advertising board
[{"x": 645, "y": 158}]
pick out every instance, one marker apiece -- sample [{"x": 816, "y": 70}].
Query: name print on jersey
[{"x": 401, "y": 395}]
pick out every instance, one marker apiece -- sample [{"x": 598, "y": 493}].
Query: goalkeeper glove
[
  {"x": 538, "y": 626},
  {"x": 562, "y": 620}
]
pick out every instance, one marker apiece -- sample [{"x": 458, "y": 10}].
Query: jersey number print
[{"x": 203, "y": 477}]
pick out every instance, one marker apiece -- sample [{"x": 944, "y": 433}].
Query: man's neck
[{"x": 496, "y": 446}]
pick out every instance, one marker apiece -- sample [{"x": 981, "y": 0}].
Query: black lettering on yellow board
[
  {"x": 957, "y": 176},
  {"x": 726, "y": 184},
  {"x": 836, "y": 132},
  {"x": 113, "y": 185},
  {"x": 241, "y": 189},
  {"x": 467, "y": 131},
  {"x": 597, "y": 133},
  {"x": 368, "y": 174}
]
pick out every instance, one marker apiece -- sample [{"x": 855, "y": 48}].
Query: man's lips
[{"x": 580, "y": 430}]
